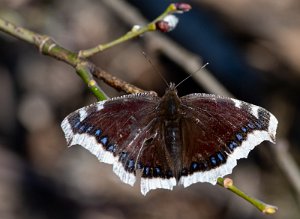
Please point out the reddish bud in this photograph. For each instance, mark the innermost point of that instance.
(183, 7)
(167, 24)
(163, 26)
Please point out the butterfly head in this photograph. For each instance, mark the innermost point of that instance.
(171, 92)
(172, 88)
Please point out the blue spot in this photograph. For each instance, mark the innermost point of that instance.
(77, 125)
(89, 129)
(156, 171)
(244, 129)
(111, 148)
(98, 132)
(258, 125)
(146, 171)
(213, 160)
(250, 125)
(130, 165)
(139, 165)
(232, 145)
(239, 137)
(104, 140)
(123, 156)
(220, 157)
(82, 128)
(194, 166)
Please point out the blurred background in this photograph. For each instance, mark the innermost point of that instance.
(253, 50)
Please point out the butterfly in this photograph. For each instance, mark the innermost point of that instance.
(170, 139)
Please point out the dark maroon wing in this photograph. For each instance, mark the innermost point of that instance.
(124, 132)
(217, 131)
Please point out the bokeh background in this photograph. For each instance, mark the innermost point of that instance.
(254, 52)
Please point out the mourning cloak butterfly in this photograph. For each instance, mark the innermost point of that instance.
(171, 140)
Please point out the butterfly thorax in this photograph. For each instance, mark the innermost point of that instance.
(169, 106)
(169, 113)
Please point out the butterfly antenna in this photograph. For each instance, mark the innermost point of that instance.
(202, 67)
(155, 69)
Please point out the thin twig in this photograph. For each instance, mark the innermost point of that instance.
(227, 183)
(184, 58)
(134, 32)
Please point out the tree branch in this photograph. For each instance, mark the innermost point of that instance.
(84, 68)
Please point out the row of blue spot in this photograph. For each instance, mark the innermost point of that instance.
(129, 164)
(217, 159)
(84, 128)
(149, 172)
(214, 160)
(239, 137)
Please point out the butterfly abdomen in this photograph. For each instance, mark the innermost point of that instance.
(173, 142)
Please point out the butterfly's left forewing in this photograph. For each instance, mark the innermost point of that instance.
(113, 130)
